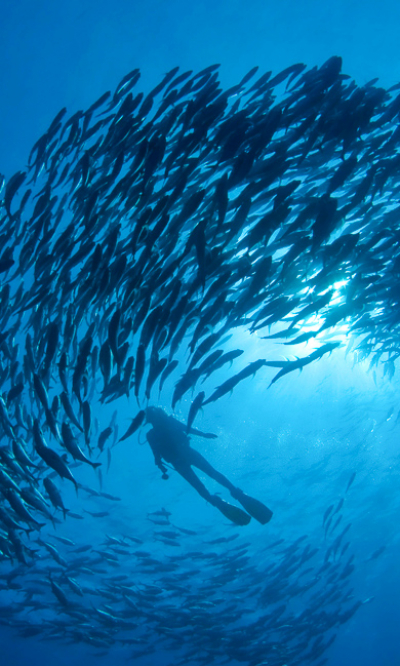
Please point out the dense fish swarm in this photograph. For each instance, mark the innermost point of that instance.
(281, 604)
(143, 231)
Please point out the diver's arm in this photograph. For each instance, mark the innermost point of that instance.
(182, 427)
(156, 453)
(199, 433)
(158, 461)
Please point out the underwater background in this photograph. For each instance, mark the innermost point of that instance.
(326, 434)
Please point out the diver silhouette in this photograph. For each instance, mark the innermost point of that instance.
(169, 442)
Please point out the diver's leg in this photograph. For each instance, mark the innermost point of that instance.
(234, 514)
(253, 506)
(197, 460)
(188, 474)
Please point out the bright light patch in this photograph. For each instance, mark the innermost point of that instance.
(339, 285)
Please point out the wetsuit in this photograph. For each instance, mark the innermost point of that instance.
(175, 449)
(169, 442)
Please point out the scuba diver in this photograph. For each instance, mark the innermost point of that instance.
(169, 442)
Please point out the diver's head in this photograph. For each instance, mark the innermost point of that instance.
(164, 423)
(156, 416)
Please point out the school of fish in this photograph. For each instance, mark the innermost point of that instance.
(142, 233)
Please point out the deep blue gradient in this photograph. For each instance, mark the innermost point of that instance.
(295, 445)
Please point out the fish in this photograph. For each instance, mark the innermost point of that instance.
(58, 593)
(351, 481)
(229, 385)
(104, 435)
(300, 363)
(12, 188)
(87, 420)
(194, 408)
(54, 495)
(139, 369)
(141, 235)
(51, 347)
(376, 553)
(327, 514)
(20, 509)
(73, 447)
(50, 456)
(69, 410)
(64, 540)
(135, 425)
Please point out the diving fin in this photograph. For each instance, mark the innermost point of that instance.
(254, 507)
(231, 512)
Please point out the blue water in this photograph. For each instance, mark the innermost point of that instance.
(295, 445)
